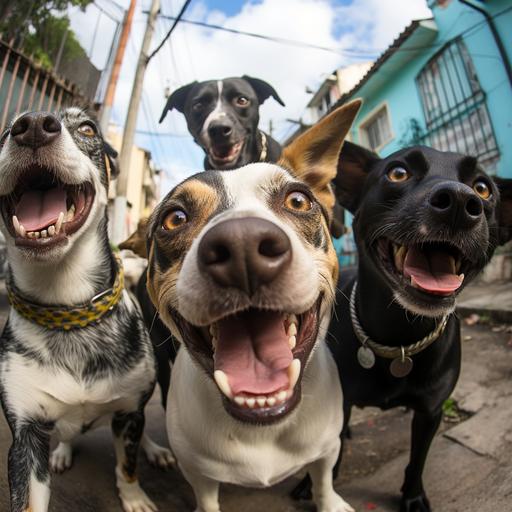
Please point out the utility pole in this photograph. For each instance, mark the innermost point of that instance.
(120, 203)
(116, 68)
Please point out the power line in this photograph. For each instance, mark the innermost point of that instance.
(365, 53)
(174, 25)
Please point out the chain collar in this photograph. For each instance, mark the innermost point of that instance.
(387, 351)
(263, 154)
(68, 317)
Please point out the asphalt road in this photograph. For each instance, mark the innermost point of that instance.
(469, 469)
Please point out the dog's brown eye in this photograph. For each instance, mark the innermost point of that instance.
(298, 201)
(87, 130)
(482, 189)
(242, 101)
(398, 174)
(174, 220)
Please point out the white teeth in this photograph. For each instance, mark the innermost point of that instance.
(222, 381)
(37, 234)
(59, 222)
(461, 277)
(251, 402)
(20, 230)
(281, 396)
(292, 341)
(240, 400)
(292, 319)
(271, 401)
(261, 401)
(400, 252)
(31, 234)
(70, 213)
(51, 230)
(44, 233)
(294, 372)
(292, 330)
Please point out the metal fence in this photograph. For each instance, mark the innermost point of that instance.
(455, 105)
(24, 85)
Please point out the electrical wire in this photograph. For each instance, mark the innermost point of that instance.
(174, 25)
(363, 53)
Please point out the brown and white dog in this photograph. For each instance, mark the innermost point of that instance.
(243, 272)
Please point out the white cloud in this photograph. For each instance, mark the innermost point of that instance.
(201, 54)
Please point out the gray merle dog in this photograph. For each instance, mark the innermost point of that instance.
(75, 352)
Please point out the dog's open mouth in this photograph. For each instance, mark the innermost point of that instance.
(433, 268)
(42, 211)
(257, 359)
(225, 154)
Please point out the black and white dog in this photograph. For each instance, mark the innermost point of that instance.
(223, 117)
(75, 352)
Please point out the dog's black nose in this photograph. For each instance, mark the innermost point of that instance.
(219, 131)
(244, 253)
(455, 204)
(36, 129)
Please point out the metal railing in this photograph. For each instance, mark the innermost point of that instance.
(455, 105)
(24, 85)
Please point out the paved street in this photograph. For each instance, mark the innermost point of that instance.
(470, 468)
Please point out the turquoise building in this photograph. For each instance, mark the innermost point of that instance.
(444, 82)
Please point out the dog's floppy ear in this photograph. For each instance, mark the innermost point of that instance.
(353, 167)
(263, 89)
(177, 100)
(504, 210)
(110, 161)
(313, 156)
(137, 241)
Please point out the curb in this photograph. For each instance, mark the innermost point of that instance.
(497, 315)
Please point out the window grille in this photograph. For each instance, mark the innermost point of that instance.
(455, 107)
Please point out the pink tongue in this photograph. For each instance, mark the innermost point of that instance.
(431, 271)
(253, 351)
(38, 209)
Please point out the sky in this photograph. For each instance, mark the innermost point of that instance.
(355, 30)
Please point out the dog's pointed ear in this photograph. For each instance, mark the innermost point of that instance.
(313, 156)
(504, 210)
(263, 89)
(353, 167)
(110, 161)
(177, 100)
(137, 240)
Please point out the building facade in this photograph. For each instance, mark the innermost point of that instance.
(444, 83)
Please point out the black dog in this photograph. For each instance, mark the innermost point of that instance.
(223, 117)
(426, 223)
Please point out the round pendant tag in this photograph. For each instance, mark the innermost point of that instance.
(401, 367)
(366, 357)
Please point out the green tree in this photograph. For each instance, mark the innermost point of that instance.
(40, 27)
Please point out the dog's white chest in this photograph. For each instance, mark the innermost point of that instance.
(74, 404)
(208, 441)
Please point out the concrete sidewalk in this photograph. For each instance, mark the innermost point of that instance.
(488, 299)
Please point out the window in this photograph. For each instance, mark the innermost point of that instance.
(376, 130)
(454, 105)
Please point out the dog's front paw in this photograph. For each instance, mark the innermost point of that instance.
(61, 458)
(417, 504)
(335, 503)
(157, 455)
(133, 498)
